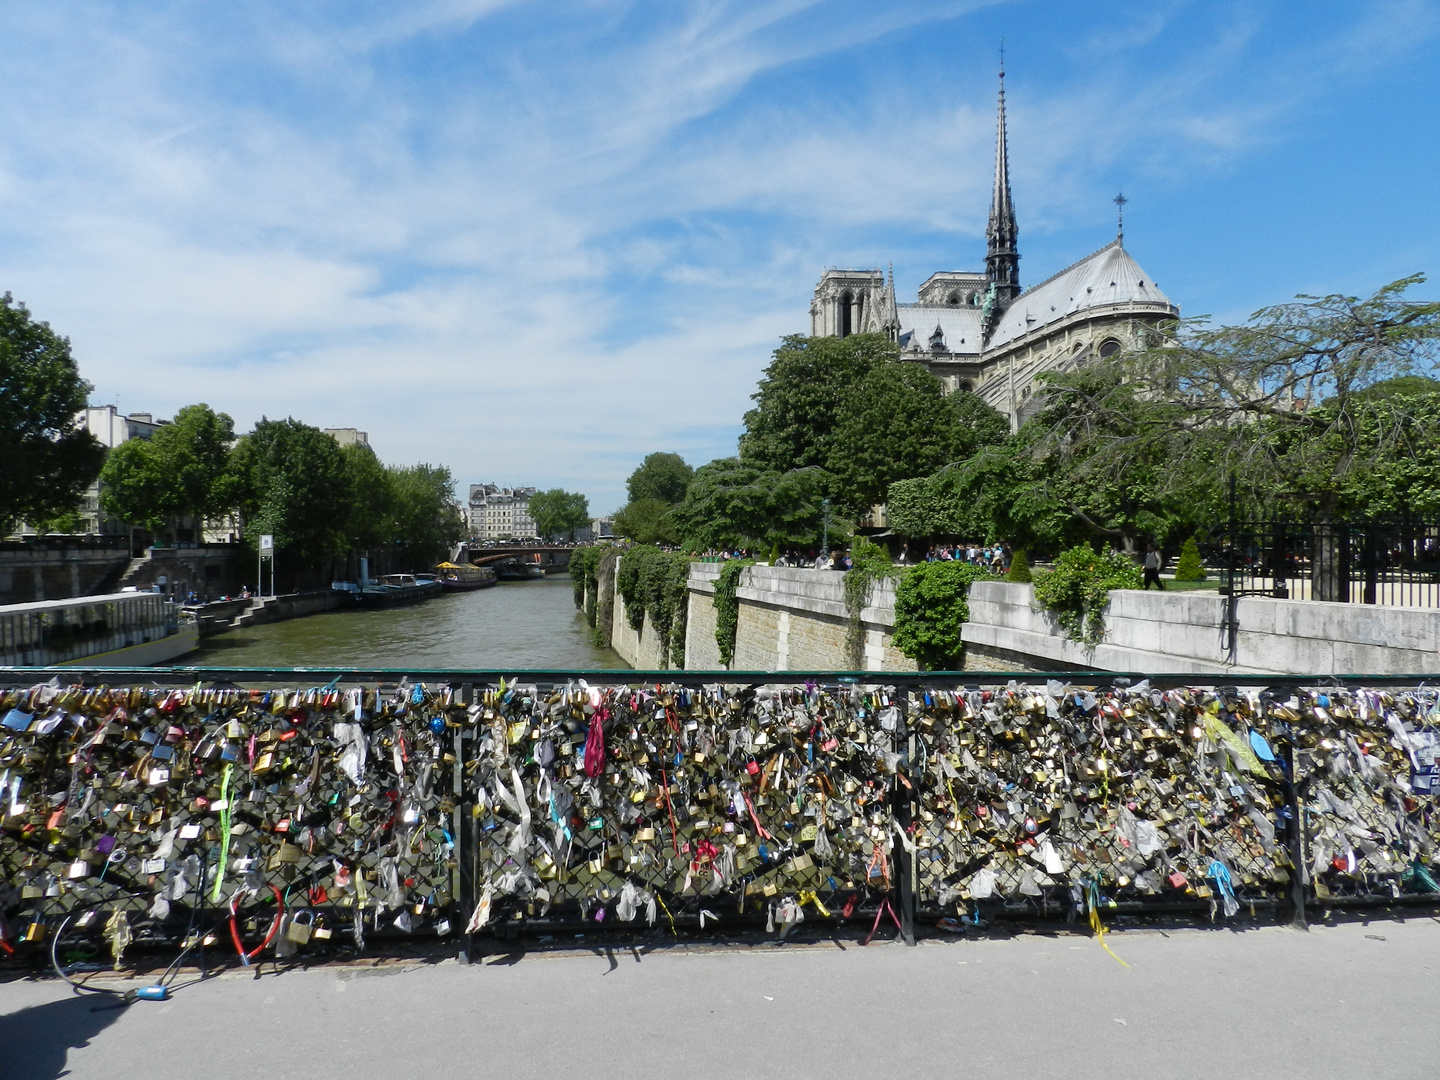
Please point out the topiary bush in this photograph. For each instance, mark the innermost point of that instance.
(1078, 589)
(1188, 568)
(1019, 568)
(931, 605)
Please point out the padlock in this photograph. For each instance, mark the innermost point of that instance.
(299, 932)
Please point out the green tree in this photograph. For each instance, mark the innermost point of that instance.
(370, 510)
(183, 470)
(1285, 402)
(1077, 590)
(561, 513)
(798, 401)
(48, 460)
(662, 477)
(291, 482)
(891, 424)
(732, 503)
(424, 520)
(1038, 491)
(646, 521)
(1019, 571)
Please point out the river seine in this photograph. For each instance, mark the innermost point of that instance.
(514, 625)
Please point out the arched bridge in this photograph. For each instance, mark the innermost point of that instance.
(552, 558)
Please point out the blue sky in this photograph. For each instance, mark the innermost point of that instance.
(536, 241)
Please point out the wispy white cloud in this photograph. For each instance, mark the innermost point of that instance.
(536, 242)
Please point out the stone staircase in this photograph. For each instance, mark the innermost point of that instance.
(255, 612)
(132, 573)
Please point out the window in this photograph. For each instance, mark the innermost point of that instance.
(1109, 347)
(847, 301)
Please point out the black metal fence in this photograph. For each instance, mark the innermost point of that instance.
(307, 810)
(1395, 563)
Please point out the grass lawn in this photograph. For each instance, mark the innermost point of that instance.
(1210, 583)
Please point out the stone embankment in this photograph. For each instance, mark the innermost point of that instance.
(791, 619)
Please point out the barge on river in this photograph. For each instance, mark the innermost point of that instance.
(454, 577)
(390, 590)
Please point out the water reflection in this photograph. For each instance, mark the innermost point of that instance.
(521, 624)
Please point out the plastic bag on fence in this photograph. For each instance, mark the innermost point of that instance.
(351, 741)
(982, 884)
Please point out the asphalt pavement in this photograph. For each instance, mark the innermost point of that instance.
(1354, 1001)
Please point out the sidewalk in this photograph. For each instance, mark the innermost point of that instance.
(1351, 1001)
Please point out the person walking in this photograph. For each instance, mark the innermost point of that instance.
(1153, 562)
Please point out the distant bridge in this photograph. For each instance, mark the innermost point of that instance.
(552, 558)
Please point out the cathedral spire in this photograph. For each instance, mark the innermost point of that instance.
(1002, 261)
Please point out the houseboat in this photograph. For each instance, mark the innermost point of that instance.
(455, 577)
(129, 629)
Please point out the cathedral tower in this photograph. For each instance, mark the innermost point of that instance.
(1002, 260)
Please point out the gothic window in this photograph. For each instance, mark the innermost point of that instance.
(954, 299)
(1109, 347)
(847, 325)
(966, 386)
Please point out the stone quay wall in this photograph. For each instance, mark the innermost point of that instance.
(1180, 632)
(793, 619)
(30, 573)
(789, 619)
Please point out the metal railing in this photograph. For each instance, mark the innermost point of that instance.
(390, 804)
(1394, 563)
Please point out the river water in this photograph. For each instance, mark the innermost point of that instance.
(514, 625)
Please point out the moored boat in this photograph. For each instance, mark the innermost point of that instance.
(457, 577)
(129, 629)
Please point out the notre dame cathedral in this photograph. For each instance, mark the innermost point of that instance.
(978, 331)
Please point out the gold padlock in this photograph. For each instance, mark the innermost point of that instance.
(299, 932)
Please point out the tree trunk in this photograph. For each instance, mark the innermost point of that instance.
(1330, 560)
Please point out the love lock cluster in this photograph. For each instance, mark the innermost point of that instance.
(297, 816)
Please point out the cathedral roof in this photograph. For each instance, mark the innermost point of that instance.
(1109, 276)
(960, 325)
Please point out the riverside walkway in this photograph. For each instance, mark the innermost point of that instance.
(1340, 1001)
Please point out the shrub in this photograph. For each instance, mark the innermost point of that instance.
(1078, 589)
(1189, 568)
(1019, 568)
(931, 604)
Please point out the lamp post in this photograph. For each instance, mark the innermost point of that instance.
(825, 528)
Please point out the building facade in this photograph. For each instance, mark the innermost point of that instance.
(496, 513)
(980, 331)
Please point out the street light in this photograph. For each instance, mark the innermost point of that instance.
(825, 527)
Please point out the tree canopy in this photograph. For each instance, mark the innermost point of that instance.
(798, 401)
(560, 513)
(646, 521)
(732, 503)
(291, 483)
(183, 469)
(1296, 402)
(663, 477)
(1320, 409)
(48, 458)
